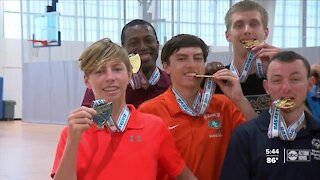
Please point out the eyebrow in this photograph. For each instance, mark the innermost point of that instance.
(292, 74)
(183, 54)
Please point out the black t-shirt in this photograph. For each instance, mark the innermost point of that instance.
(253, 90)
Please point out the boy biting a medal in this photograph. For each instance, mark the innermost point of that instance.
(201, 122)
(284, 141)
(247, 29)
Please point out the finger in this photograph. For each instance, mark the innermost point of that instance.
(82, 112)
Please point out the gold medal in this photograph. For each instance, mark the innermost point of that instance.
(285, 103)
(248, 44)
(135, 62)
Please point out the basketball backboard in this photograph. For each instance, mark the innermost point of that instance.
(46, 31)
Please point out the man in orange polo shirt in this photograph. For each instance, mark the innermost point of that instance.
(200, 122)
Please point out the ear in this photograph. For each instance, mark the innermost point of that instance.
(228, 36)
(86, 81)
(166, 67)
(266, 33)
(265, 86)
(129, 77)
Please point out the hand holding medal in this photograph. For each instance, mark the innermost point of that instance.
(103, 113)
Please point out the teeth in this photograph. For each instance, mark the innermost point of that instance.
(110, 89)
(191, 74)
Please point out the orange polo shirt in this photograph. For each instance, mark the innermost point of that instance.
(202, 141)
(134, 154)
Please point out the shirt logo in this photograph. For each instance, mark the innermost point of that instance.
(137, 138)
(174, 126)
(214, 124)
(316, 143)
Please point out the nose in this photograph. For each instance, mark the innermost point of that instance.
(286, 86)
(109, 76)
(142, 45)
(191, 62)
(247, 29)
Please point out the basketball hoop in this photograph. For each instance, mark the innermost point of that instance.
(42, 42)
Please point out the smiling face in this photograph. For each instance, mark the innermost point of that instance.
(182, 66)
(141, 39)
(245, 25)
(107, 70)
(109, 81)
(288, 80)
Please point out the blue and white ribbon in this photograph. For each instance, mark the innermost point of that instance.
(201, 103)
(139, 80)
(247, 66)
(278, 127)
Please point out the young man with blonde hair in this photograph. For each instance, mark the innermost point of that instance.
(123, 144)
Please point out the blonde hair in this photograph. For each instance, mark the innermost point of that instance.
(99, 53)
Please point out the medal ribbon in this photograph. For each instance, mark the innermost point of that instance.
(247, 65)
(278, 127)
(139, 80)
(122, 121)
(201, 103)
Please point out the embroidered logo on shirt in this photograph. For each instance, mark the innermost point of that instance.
(214, 123)
(212, 116)
(137, 138)
(316, 143)
(214, 126)
(174, 126)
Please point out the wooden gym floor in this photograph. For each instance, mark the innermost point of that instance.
(27, 150)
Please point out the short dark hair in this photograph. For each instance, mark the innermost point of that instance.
(133, 23)
(181, 41)
(291, 56)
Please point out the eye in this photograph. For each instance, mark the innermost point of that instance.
(295, 79)
(132, 43)
(181, 58)
(198, 58)
(238, 25)
(149, 40)
(276, 81)
(254, 24)
(118, 68)
(99, 71)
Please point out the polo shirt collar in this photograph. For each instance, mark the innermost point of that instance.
(164, 80)
(170, 99)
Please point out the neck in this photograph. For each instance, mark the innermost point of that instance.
(188, 95)
(239, 61)
(116, 110)
(293, 116)
(148, 72)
